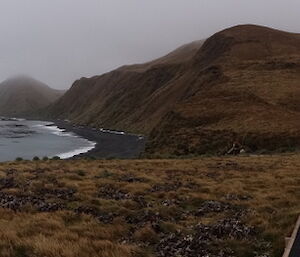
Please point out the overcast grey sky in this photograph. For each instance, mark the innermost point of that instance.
(59, 41)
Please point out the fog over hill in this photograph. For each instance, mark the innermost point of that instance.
(59, 41)
(22, 94)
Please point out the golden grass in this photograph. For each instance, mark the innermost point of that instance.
(269, 183)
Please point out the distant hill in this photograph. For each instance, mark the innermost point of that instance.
(241, 85)
(21, 95)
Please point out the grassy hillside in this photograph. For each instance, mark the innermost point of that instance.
(241, 85)
(245, 90)
(121, 99)
(22, 94)
(241, 207)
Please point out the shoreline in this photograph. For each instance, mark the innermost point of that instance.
(108, 144)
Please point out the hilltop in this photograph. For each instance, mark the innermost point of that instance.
(241, 84)
(22, 94)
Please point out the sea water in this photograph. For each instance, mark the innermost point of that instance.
(27, 139)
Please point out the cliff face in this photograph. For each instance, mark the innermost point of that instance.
(22, 94)
(241, 84)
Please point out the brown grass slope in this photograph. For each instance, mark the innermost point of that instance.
(119, 99)
(22, 94)
(242, 84)
(229, 206)
(251, 95)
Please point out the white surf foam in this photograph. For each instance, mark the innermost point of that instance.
(112, 131)
(61, 132)
(77, 151)
(56, 130)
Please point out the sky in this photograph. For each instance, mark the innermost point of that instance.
(60, 41)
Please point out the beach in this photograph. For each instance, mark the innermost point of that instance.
(109, 144)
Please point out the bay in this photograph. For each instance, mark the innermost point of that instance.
(27, 139)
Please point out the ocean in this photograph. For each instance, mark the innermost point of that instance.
(27, 139)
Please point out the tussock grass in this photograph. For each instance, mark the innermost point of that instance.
(161, 198)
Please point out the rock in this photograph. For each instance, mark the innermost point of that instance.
(131, 179)
(170, 202)
(110, 192)
(140, 199)
(61, 193)
(10, 172)
(7, 183)
(203, 241)
(16, 203)
(215, 206)
(166, 187)
(50, 207)
(231, 228)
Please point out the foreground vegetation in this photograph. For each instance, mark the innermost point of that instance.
(230, 206)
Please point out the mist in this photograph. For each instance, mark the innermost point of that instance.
(59, 41)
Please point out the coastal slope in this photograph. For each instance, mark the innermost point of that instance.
(121, 99)
(22, 94)
(241, 85)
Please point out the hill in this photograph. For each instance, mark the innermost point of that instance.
(20, 95)
(241, 85)
(116, 99)
(182, 54)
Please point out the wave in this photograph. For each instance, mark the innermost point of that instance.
(112, 131)
(62, 132)
(78, 151)
(56, 130)
(10, 119)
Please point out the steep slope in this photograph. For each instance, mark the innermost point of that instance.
(253, 96)
(118, 99)
(22, 94)
(241, 85)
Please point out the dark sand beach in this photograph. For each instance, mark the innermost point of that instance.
(108, 144)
